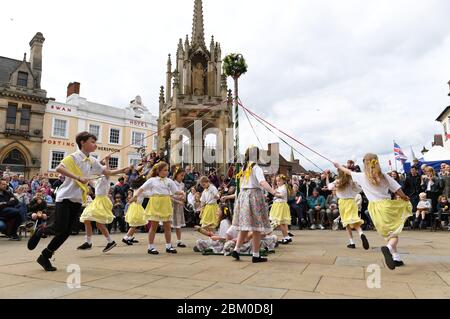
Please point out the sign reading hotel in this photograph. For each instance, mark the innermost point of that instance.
(138, 123)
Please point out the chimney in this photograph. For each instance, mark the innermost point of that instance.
(73, 88)
(438, 140)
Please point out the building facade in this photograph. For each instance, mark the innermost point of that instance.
(121, 130)
(196, 89)
(22, 108)
(444, 119)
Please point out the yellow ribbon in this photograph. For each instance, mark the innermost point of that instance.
(70, 164)
(246, 174)
(373, 163)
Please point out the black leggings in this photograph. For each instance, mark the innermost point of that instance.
(67, 214)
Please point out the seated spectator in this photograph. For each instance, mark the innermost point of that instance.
(10, 209)
(299, 206)
(44, 194)
(316, 212)
(443, 210)
(14, 183)
(22, 194)
(432, 186)
(423, 208)
(37, 208)
(332, 208)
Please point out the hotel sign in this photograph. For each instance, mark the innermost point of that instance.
(138, 123)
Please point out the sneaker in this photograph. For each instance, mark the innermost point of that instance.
(109, 246)
(235, 255)
(259, 260)
(85, 246)
(291, 234)
(388, 258)
(196, 249)
(321, 227)
(127, 241)
(351, 246)
(285, 241)
(171, 250)
(45, 263)
(181, 245)
(365, 242)
(134, 241)
(398, 263)
(14, 237)
(34, 240)
(313, 226)
(153, 251)
(29, 224)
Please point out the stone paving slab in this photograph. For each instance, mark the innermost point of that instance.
(316, 265)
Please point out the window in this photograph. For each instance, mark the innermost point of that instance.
(155, 142)
(22, 79)
(94, 130)
(11, 116)
(57, 157)
(114, 136)
(134, 162)
(59, 128)
(113, 162)
(25, 117)
(138, 139)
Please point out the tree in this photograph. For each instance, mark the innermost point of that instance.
(234, 65)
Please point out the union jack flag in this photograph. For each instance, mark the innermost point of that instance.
(399, 155)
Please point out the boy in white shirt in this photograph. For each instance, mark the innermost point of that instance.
(78, 167)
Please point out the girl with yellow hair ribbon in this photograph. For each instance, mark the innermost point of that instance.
(388, 215)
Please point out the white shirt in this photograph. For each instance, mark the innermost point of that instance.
(102, 186)
(224, 226)
(375, 193)
(349, 192)
(159, 186)
(424, 204)
(191, 199)
(69, 189)
(283, 191)
(209, 195)
(256, 177)
(232, 232)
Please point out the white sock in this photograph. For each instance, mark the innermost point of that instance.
(351, 241)
(237, 249)
(396, 256)
(88, 239)
(126, 237)
(287, 237)
(256, 255)
(360, 232)
(169, 245)
(390, 248)
(179, 241)
(151, 246)
(109, 240)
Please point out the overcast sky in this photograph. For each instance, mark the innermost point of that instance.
(345, 77)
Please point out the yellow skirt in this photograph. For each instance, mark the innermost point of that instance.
(280, 214)
(209, 216)
(159, 209)
(100, 211)
(135, 216)
(348, 209)
(389, 216)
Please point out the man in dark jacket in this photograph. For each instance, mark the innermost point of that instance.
(412, 187)
(307, 186)
(10, 209)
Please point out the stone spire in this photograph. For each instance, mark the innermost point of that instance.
(292, 155)
(198, 32)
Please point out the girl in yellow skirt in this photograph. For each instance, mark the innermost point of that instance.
(209, 216)
(100, 211)
(159, 208)
(280, 214)
(135, 217)
(346, 191)
(387, 215)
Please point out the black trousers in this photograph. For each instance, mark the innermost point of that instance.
(67, 214)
